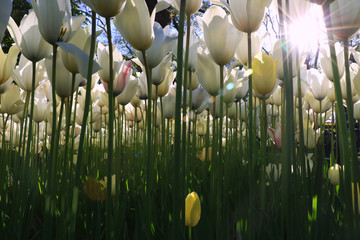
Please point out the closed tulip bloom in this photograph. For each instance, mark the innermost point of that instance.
(11, 102)
(230, 87)
(345, 17)
(41, 107)
(242, 49)
(168, 104)
(343, 87)
(142, 86)
(103, 56)
(356, 82)
(278, 54)
(200, 129)
(247, 15)
(7, 63)
(277, 96)
(163, 88)
(319, 85)
(216, 113)
(191, 6)
(162, 71)
(192, 209)
(105, 8)
(215, 23)
(315, 104)
(122, 77)
(334, 174)
(28, 38)
(63, 78)
(311, 137)
(136, 25)
(208, 73)
(129, 92)
(273, 171)
(81, 39)
(264, 74)
(243, 84)
(199, 98)
(5, 86)
(275, 135)
(325, 61)
(56, 23)
(331, 95)
(304, 84)
(163, 43)
(194, 81)
(22, 75)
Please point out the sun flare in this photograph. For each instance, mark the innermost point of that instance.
(308, 32)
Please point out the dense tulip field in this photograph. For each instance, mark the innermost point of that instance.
(240, 122)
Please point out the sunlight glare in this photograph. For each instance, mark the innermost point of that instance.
(308, 32)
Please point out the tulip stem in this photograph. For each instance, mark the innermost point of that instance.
(51, 191)
(179, 202)
(76, 187)
(219, 165)
(251, 164)
(109, 232)
(350, 108)
(149, 160)
(186, 120)
(343, 134)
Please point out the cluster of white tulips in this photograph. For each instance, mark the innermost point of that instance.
(262, 142)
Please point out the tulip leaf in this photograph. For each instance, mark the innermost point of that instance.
(82, 59)
(5, 11)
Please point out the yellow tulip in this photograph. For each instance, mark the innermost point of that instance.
(264, 72)
(192, 209)
(94, 189)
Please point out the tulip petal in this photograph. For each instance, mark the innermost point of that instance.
(82, 59)
(14, 31)
(161, 5)
(10, 62)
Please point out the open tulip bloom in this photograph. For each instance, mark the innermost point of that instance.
(219, 119)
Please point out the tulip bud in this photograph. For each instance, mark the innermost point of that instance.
(192, 209)
(334, 174)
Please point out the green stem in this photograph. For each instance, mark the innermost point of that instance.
(149, 160)
(109, 232)
(343, 134)
(179, 202)
(350, 108)
(251, 163)
(219, 165)
(49, 198)
(75, 196)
